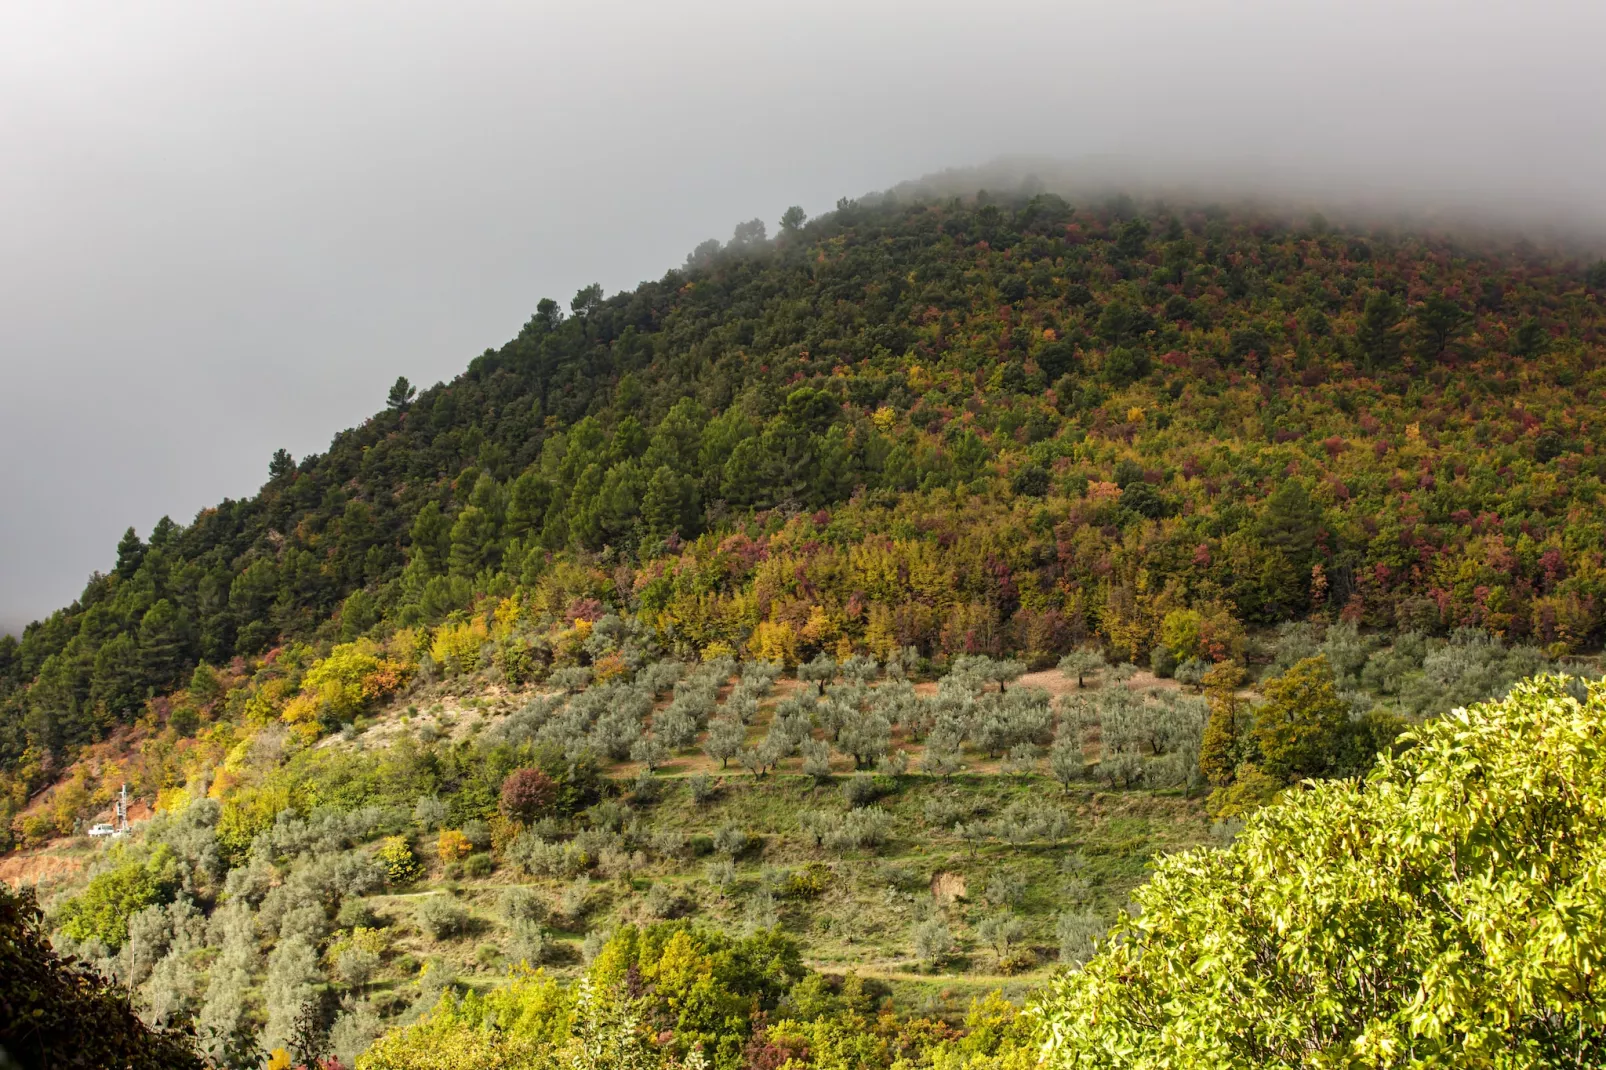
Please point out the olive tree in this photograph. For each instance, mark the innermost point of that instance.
(1078, 932)
(1079, 665)
(934, 942)
(724, 741)
(820, 671)
(1066, 762)
(865, 738)
(942, 756)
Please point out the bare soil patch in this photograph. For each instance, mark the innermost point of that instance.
(43, 867)
(947, 887)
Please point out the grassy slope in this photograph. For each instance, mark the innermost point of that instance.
(865, 918)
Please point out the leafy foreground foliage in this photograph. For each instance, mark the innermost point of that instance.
(532, 1024)
(113, 897)
(57, 1013)
(672, 996)
(1447, 910)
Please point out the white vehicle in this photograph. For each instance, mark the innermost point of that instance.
(102, 829)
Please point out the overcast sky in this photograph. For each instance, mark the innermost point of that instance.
(227, 227)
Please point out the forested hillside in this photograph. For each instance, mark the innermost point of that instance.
(969, 426)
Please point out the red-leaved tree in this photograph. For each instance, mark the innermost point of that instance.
(526, 794)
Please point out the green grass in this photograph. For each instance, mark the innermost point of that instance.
(864, 918)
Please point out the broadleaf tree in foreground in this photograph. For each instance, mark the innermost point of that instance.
(1449, 909)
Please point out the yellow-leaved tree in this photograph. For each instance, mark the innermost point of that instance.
(531, 1023)
(343, 685)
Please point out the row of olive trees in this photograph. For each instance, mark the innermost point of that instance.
(1409, 672)
(851, 711)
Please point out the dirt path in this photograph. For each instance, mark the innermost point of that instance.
(1054, 683)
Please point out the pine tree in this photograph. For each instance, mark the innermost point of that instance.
(130, 553)
(1378, 334)
(431, 539)
(401, 394)
(528, 501)
(670, 504)
(164, 644)
(474, 543)
(281, 465)
(118, 682)
(1439, 322)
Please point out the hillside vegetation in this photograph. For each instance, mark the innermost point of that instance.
(795, 657)
(1443, 910)
(966, 426)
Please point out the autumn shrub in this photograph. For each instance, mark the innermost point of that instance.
(343, 685)
(527, 794)
(452, 845)
(456, 647)
(1299, 725)
(400, 864)
(56, 1012)
(531, 1022)
(810, 882)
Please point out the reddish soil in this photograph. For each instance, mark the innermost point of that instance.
(42, 867)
